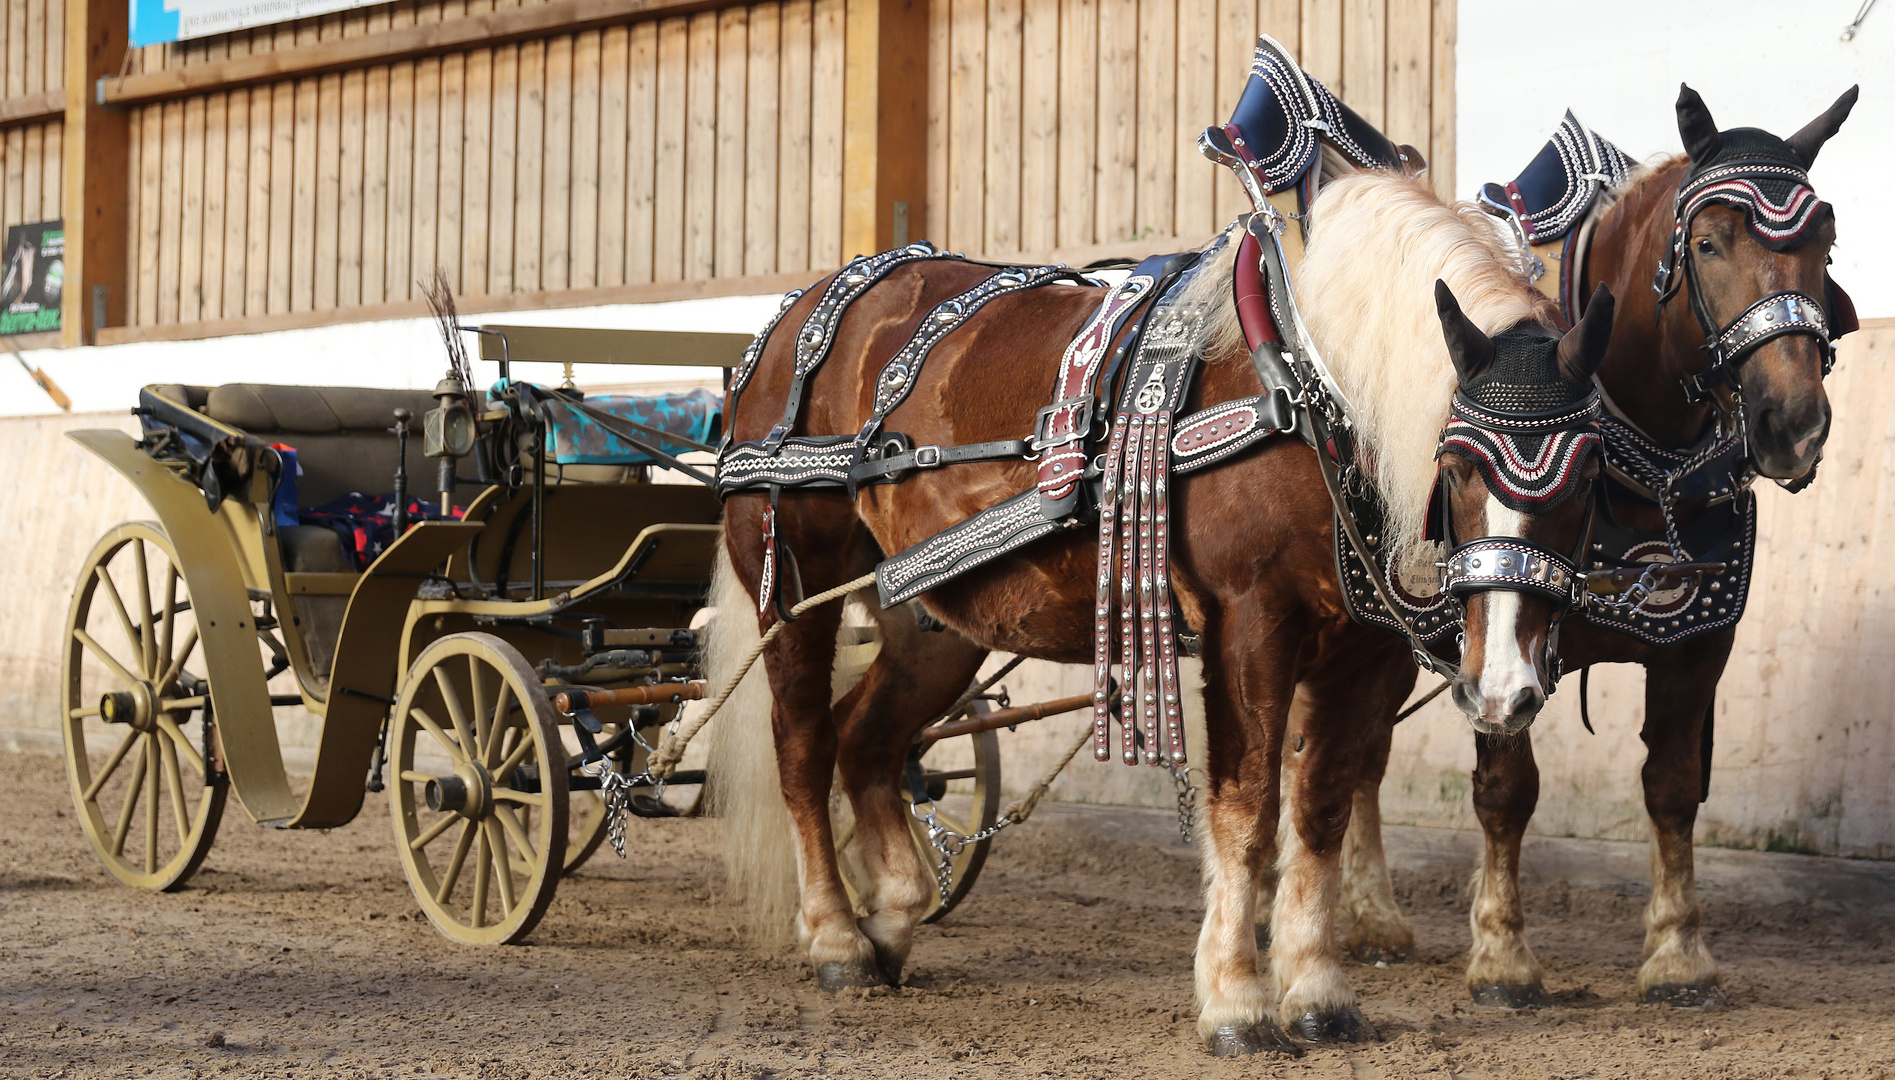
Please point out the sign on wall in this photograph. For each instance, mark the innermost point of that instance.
(33, 279)
(155, 22)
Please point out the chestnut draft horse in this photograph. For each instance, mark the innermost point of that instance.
(1755, 242)
(1254, 569)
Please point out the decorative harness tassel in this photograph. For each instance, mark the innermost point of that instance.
(1135, 547)
(1109, 498)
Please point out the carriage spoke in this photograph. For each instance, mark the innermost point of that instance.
(516, 832)
(453, 748)
(151, 804)
(168, 628)
(174, 783)
(176, 666)
(502, 864)
(432, 832)
(182, 704)
(502, 717)
(505, 768)
(483, 723)
(176, 733)
(454, 863)
(454, 712)
(413, 777)
(132, 791)
(148, 650)
(483, 870)
(524, 798)
(107, 658)
(83, 714)
(111, 764)
(118, 605)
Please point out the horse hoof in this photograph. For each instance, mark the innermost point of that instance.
(1686, 995)
(1262, 1037)
(1380, 954)
(1499, 996)
(1341, 1026)
(847, 975)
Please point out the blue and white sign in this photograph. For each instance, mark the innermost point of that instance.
(155, 22)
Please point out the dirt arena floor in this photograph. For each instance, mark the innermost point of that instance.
(303, 955)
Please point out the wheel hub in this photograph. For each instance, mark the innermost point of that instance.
(137, 707)
(467, 791)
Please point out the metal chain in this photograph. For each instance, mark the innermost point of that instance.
(618, 787)
(949, 844)
(1187, 802)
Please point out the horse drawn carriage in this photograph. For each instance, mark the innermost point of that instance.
(494, 662)
(427, 637)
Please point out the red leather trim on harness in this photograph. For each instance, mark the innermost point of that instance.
(1520, 210)
(1212, 428)
(1063, 460)
(1253, 303)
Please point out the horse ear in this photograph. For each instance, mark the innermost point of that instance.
(1817, 132)
(1583, 348)
(1470, 350)
(1695, 125)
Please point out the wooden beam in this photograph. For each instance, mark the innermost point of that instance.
(97, 167)
(482, 30)
(32, 108)
(649, 293)
(885, 124)
(646, 293)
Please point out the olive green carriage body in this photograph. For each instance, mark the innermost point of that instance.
(423, 654)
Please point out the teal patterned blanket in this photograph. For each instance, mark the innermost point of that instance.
(574, 438)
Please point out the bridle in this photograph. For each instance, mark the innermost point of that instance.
(1530, 462)
(1780, 224)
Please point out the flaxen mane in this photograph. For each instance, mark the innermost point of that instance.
(1366, 287)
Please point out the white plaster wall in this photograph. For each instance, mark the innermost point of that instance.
(1758, 63)
(397, 354)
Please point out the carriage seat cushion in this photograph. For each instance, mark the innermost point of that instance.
(311, 410)
(576, 438)
(313, 549)
(340, 433)
(1561, 183)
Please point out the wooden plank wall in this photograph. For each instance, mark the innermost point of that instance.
(701, 146)
(32, 61)
(698, 146)
(1061, 125)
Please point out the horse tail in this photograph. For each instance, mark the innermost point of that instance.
(755, 834)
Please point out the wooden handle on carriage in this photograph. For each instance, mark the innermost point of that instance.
(568, 701)
(1039, 710)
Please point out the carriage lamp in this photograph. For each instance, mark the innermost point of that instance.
(448, 433)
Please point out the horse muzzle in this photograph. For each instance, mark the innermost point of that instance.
(1507, 711)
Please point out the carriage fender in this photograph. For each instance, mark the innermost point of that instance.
(240, 698)
(368, 667)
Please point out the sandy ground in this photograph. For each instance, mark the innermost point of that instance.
(303, 955)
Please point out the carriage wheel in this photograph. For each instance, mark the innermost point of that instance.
(479, 802)
(945, 761)
(138, 730)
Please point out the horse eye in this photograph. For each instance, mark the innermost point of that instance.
(1705, 247)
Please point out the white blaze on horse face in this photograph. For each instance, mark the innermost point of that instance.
(1505, 668)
